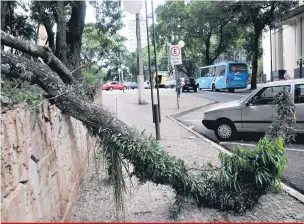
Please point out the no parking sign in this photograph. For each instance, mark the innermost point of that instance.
(176, 55)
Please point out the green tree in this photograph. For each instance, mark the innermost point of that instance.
(206, 27)
(258, 15)
(15, 23)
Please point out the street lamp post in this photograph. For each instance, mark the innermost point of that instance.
(300, 63)
(134, 7)
(155, 59)
(155, 108)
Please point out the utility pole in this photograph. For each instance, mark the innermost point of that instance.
(154, 106)
(155, 59)
(140, 77)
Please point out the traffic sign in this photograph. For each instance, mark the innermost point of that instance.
(176, 55)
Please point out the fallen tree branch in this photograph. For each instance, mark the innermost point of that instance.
(242, 179)
(39, 51)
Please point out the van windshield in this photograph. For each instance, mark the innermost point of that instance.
(237, 68)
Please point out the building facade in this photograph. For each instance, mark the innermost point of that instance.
(283, 46)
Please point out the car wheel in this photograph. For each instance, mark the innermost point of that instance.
(111, 88)
(231, 90)
(225, 130)
(124, 88)
(195, 90)
(213, 87)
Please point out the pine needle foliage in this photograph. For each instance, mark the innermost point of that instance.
(283, 118)
(241, 180)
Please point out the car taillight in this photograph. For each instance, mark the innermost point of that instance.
(227, 80)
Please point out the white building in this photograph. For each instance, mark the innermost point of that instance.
(285, 42)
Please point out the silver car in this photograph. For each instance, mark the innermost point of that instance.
(254, 112)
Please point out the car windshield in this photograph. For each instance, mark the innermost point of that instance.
(249, 96)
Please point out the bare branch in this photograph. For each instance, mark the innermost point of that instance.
(38, 51)
(81, 66)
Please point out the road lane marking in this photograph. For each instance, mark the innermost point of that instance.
(253, 145)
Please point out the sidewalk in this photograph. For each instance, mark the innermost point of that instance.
(148, 203)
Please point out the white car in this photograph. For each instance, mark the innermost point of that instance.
(147, 85)
(254, 112)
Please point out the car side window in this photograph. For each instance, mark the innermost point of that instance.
(113, 83)
(299, 93)
(266, 95)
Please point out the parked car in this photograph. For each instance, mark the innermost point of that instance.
(170, 84)
(147, 85)
(253, 113)
(113, 85)
(189, 84)
(133, 85)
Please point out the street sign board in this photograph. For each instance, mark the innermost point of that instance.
(176, 55)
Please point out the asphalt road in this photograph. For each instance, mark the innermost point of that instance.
(293, 174)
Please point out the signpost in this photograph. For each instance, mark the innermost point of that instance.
(176, 55)
(176, 59)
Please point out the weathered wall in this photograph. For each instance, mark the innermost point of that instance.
(44, 154)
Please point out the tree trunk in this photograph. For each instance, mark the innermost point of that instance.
(38, 51)
(254, 63)
(3, 14)
(74, 35)
(61, 46)
(207, 51)
(50, 33)
(11, 12)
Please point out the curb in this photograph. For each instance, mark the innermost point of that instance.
(292, 192)
(180, 113)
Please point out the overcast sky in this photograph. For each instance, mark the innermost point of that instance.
(90, 14)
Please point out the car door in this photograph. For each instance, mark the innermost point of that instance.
(114, 84)
(258, 111)
(299, 102)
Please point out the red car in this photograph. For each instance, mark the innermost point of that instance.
(114, 85)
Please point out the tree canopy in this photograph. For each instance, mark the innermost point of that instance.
(210, 28)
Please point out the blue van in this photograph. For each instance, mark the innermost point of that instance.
(224, 75)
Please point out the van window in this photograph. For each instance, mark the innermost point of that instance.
(237, 68)
(220, 70)
(266, 95)
(299, 93)
(212, 71)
